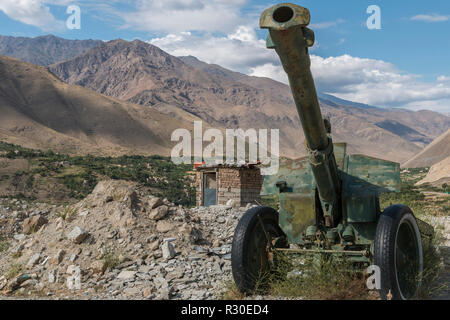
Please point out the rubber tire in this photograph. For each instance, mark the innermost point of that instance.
(240, 255)
(384, 250)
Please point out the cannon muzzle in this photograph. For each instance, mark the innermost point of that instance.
(290, 37)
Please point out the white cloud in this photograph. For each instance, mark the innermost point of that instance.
(378, 83)
(370, 81)
(430, 18)
(443, 78)
(241, 50)
(33, 12)
(174, 16)
(270, 70)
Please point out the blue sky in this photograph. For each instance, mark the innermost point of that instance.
(405, 64)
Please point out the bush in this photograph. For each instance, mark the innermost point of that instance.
(166, 179)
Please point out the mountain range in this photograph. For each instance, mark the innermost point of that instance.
(138, 75)
(40, 111)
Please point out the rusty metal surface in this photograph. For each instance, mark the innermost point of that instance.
(301, 17)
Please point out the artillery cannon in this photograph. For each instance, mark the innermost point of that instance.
(329, 201)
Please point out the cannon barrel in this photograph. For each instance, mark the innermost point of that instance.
(290, 37)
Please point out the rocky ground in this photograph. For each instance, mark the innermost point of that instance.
(118, 243)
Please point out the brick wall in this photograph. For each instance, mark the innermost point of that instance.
(251, 183)
(241, 184)
(198, 189)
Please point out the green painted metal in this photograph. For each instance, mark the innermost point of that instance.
(297, 212)
(291, 39)
(363, 179)
(328, 201)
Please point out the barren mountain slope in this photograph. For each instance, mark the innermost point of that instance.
(144, 74)
(435, 152)
(44, 50)
(439, 174)
(420, 127)
(40, 111)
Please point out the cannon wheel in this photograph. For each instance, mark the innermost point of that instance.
(250, 260)
(398, 253)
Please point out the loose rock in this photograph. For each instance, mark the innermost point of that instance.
(159, 213)
(33, 224)
(78, 235)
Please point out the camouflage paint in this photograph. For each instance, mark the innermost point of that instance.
(329, 189)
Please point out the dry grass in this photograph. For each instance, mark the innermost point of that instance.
(67, 213)
(231, 292)
(308, 279)
(324, 278)
(433, 267)
(4, 245)
(110, 258)
(14, 270)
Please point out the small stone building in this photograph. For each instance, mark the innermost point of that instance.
(217, 184)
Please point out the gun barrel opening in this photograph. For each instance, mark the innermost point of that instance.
(283, 14)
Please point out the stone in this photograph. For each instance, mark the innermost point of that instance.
(233, 203)
(72, 269)
(154, 203)
(34, 260)
(154, 245)
(33, 224)
(168, 250)
(59, 256)
(147, 293)
(164, 226)
(3, 282)
(122, 258)
(131, 291)
(19, 237)
(73, 282)
(144, 269)
(159, 213)
(51, 277)
(78, 235)
(126, 275)
(98, 266)
(30, 283)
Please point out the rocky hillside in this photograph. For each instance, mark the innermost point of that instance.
(435, 152)
(226, 99)
(40, 111)
(439, 174)
(418, 127)
(121, 243)
(44, 50)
